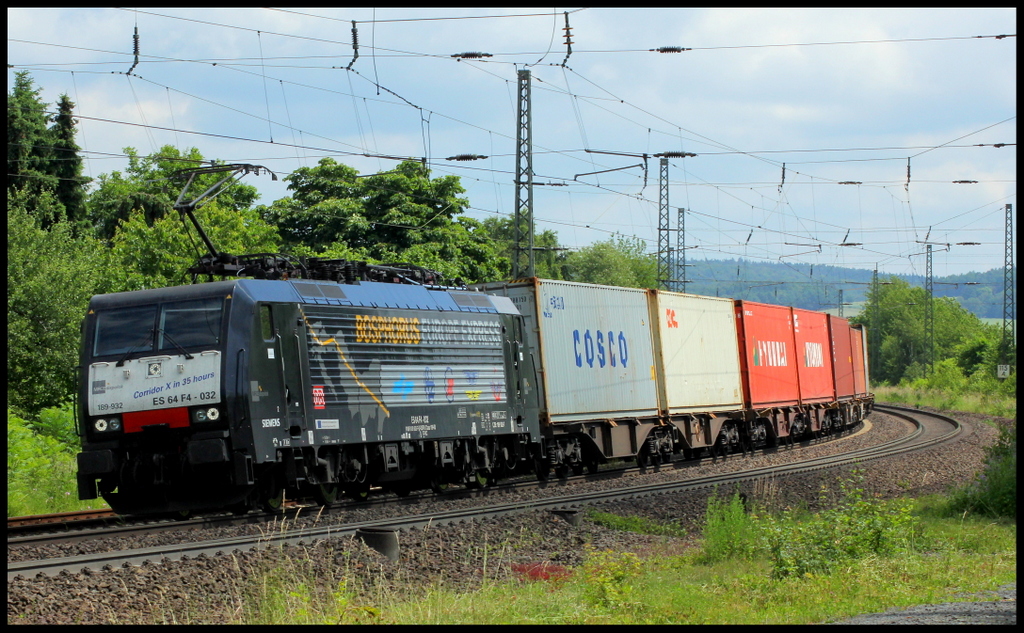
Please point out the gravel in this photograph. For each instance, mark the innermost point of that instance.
(214, 589)
(1003, 610)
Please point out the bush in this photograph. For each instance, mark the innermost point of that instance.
(58, 423)
(40, 472)
(729, 532)
(994, 490)
(608, 576)
(857, 528)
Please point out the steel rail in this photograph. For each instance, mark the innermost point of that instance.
(59, 518)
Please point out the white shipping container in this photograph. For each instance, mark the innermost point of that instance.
(595, 344)
(697, 353)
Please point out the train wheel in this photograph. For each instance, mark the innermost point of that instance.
(577, 468)
(644, 459)
(479, 479)
(542, 469)
(438, 484)
(592, 466)
(270, 492)
(274, 500)
(325, 494)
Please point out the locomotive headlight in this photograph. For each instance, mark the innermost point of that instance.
(114, 424)
(100, 425)
(210, 414)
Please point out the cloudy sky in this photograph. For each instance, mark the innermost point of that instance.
(803, 121)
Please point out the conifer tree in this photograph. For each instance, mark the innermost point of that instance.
(66, 164)
(28, 140)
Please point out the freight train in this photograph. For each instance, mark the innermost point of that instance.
(234, 394)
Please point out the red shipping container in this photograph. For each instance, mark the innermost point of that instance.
(813, 356)
(860, 378)
(842, 357)
(768, 358)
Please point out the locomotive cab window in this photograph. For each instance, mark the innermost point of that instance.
(266, 323)
(190, 324)
(123, 330)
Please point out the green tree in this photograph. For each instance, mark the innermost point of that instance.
(66, 164)
(401, 215)
(159, 254)
(619, 261)
(42, 158)
(323, 209)
(152, 184)
(29, 144)
(898, 310)
(51, 274)
(549, 256)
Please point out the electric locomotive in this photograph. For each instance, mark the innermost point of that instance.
(225, 394)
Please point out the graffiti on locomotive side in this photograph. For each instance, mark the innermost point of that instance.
(441, 332)
(590, 348)
(409, 385)
(373, 328)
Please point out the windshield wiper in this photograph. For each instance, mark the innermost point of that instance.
(180, 348)
(132, 348)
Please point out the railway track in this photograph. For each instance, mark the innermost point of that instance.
(930, 429)
(70, 527)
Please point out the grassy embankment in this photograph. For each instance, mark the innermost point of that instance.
(995, 404)
(764, 565)
(751, 567)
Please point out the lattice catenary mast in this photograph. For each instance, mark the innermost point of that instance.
(1009, 321)
(522, 255)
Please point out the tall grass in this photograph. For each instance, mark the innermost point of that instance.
(994, 490)
(799, 544)
(729, 532)
(994, 402)
(41, 470)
